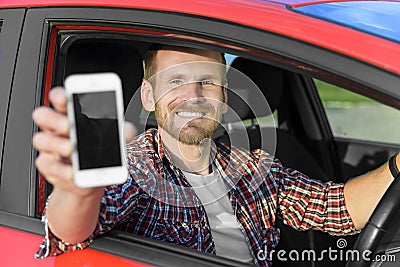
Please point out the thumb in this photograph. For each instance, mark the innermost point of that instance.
(129, 131)
(58, 99)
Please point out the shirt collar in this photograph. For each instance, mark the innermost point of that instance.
(160, 145)
(230, 162)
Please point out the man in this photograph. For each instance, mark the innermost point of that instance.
(185, 189)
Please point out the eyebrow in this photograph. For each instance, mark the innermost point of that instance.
(175, 76)
(202, 77)
(208, 77)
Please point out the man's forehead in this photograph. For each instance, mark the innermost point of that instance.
(190, 51)
(191, 69)
(169, 57)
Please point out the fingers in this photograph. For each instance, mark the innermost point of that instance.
(53, 120)
(50, 120)
(49, 143)
(53, 142)
(59, 173)
(54, 169)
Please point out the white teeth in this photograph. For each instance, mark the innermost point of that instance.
(190, 114)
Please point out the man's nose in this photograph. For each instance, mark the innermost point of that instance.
(193, 90)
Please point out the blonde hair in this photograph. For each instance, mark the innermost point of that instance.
(150, 64)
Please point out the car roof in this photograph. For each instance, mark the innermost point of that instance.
(276, 16)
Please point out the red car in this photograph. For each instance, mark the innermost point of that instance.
(340, 68)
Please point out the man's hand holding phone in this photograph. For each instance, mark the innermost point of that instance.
(95, 113)
(53, 143)
(72, 211)
(57, 146)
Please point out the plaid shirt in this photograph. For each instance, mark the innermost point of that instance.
(158, 202)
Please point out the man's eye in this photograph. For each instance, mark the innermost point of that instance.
(207, 82)
(176, 82)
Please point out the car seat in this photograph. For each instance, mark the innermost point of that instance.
(264, 81)
(122, 58)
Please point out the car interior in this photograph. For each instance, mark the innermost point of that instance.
(291, 144)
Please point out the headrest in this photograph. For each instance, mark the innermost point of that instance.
(250, 85)
(123, 59)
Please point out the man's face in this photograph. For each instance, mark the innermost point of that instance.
(189, 94)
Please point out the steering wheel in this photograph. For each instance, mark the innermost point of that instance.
(377, 225)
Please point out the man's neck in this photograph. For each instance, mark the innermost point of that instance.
(190, 158)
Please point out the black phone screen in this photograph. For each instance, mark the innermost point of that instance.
(96, 126)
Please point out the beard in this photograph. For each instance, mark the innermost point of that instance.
(194, 131)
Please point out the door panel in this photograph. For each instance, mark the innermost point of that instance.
(358, 157)
(10, 32)
(11, 24)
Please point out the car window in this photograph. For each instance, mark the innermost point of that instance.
(346, 112)
(118, 52)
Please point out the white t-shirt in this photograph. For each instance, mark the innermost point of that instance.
(229, 240)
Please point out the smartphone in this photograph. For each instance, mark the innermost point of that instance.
(95, 113)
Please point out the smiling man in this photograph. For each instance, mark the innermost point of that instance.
(187, 90)
(185, 189)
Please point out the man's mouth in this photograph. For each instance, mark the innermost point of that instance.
(187, 114)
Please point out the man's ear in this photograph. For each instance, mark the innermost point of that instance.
(225, 94)
(147, 96)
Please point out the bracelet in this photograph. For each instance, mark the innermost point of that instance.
(393, 166)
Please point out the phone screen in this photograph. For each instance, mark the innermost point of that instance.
(96, 126)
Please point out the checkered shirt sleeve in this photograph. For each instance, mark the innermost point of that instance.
(306, 203)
